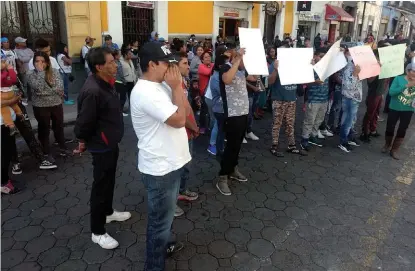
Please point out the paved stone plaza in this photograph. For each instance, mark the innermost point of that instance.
(328, 211)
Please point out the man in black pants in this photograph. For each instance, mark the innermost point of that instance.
(232, 82)
(99, 127)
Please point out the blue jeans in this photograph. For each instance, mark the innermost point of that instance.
(162, 192)
(335, 111)
(186, 171)
(65, 79)
(220, 139)
(213, 125)
(349, 113)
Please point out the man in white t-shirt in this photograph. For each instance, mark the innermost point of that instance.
(159, 115)
(44, 46)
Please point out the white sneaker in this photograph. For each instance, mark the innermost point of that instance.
(319, 135)
(118, 216)
(124, 115)
(252, 136)
(105, 241)
(178, 211)
(244, 141)
(326, 133)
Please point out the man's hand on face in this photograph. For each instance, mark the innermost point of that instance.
(173, 77)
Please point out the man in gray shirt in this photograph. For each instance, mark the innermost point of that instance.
(24, 55)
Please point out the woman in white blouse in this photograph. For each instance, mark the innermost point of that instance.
(128, 70)
(65, 69)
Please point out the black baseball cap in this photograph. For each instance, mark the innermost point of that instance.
(156, 51)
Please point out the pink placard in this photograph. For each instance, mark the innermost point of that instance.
(364, 57)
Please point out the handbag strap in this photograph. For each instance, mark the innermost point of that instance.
(61, 69)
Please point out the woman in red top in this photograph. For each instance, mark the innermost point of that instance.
(204, 72)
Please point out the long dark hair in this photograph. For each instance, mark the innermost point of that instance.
(48, 69)
(61, 50)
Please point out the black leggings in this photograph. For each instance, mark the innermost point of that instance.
(404, 118)
(7, 142)
(125, 91)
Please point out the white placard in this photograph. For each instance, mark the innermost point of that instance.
(333, 61)
(255, 60)
(294, 65)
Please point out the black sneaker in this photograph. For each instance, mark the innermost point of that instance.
(374, 134)
(65, 152)
(67, 141)
(16, 169)
(365, 138)
(305, 147)
(354, 142)
(174, 247)
(314, 140)
(345, 147)
(46, 164)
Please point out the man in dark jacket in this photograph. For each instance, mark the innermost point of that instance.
(99, 127)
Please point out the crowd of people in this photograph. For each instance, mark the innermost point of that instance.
(176, 92)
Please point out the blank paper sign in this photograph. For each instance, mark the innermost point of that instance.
(255, 60)
(295, 65)
(332, 62)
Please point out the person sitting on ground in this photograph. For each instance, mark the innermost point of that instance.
(8, 79)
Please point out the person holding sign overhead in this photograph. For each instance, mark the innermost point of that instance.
(401, 108)
(283, 104)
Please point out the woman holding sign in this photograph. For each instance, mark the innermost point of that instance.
(401, 108)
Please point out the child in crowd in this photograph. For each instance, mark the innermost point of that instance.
(8, 80)
(194, 97)
(316, 106)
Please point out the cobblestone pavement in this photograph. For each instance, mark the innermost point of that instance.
(328, 211)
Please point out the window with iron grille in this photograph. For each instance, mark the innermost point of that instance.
(31, 20)
(137, 23)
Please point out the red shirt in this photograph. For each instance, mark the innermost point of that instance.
(204, 75)
(8, 78)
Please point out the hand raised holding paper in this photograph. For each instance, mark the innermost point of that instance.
(276, 64)
(364, 57)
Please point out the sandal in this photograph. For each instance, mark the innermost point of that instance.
(296, 151)
(276, 153)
